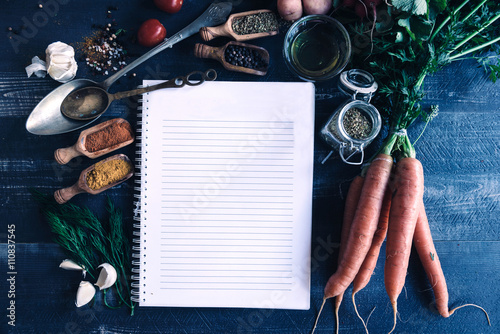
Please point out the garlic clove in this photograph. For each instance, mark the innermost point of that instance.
(107, 276)
(38, 67)
(71, 265)
(85, 293)
(61, 63)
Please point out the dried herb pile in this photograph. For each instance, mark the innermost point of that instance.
(255, 23)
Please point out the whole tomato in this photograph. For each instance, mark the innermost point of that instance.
(151, 33)
(169, 6)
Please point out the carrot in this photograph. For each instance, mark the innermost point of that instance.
(430, 261)
(408, 188)
(368, 266)
(351, 202)
(363, 225)
(426, 250)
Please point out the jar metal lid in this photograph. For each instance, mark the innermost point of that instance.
(358, 83)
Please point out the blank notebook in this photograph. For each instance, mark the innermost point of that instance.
(226, 171)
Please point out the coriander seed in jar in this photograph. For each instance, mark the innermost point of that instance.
(356, 122)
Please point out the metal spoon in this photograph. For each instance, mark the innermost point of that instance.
(91, 102)
(47, 119)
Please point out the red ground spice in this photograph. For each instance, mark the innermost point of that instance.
(109, 136)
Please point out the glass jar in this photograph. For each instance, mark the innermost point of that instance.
(360, 86)
(316, 48)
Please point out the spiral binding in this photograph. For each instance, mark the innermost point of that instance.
(136, 240)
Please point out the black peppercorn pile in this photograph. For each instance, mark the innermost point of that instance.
(241, 56)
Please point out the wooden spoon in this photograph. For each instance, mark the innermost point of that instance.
(64, 155)
(217, 53)
(226, 29)
(81, 186)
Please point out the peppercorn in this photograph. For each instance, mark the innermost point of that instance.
(246, 57)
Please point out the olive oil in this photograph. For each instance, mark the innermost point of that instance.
(315, 51)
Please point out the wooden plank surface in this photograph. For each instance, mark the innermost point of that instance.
(45, 301)
(460, 152)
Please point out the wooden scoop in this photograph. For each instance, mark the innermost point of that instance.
(217, 53)
(226, 29)
(64, 155)
(81, 186)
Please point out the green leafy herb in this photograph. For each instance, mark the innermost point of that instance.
(415, 7)
(423, 41)
(89, 241)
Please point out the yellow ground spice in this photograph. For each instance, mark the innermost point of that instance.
(107, 172)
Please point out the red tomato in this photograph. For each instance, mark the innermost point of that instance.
(151, 33)
(169, 6)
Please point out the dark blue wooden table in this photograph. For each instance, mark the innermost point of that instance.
(460, 152)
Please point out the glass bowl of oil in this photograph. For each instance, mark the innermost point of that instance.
(317, 48)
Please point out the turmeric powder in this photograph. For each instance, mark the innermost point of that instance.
(107, 172)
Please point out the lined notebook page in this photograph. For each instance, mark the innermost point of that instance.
(226, 195)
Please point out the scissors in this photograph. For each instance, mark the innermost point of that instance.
(90, 102)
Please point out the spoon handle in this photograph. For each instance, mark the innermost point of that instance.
(167, 84)
(215, 14)
(64, 155)
(63, 195)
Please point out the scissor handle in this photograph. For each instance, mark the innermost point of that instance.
(191, 80)
(196, 78)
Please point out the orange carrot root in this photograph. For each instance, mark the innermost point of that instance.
(474, 305)
(338, 301)
(370, 262)
(357, 313)
(351, 203)
(319, 313)
(363, 225)
(432, 266)
(408, 188)
(394, 304)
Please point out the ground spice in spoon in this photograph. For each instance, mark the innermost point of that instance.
(112, 135)
(255, 23)
(107, 172)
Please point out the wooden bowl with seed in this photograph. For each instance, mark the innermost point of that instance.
(228, 29)
(219, 53)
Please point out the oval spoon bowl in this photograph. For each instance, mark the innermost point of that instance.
(47, 119)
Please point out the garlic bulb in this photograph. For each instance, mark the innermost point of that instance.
(85, 293)
(61, 63)
(70, 265)
(107, 276)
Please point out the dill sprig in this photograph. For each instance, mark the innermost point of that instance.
(89, 241)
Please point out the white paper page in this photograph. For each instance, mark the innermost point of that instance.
(226, 195)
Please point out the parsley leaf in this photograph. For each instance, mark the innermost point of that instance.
(415, 7)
